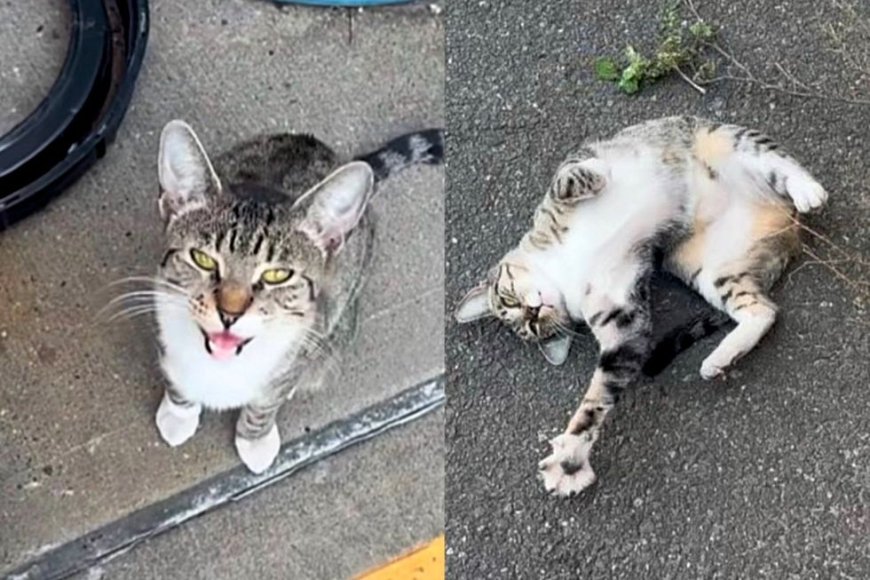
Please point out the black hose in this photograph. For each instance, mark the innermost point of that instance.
(66, 134)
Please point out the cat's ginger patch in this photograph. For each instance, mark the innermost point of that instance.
(711, 146)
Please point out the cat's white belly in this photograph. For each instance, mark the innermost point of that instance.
(603, 234)
(217, 384)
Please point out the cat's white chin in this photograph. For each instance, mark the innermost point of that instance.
(222, 384)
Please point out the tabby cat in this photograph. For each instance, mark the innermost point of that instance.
(715, 202)
(265, 254)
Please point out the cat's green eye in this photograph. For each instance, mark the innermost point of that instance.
(203, 260)
(276, 275)
(509, 302)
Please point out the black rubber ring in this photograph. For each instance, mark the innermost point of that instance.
(71, 128)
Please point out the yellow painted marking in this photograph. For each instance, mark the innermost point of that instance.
(423, 563)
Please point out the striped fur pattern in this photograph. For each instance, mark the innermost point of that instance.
(578, 178)
(425, 147)
(718, 202)
(266, 252)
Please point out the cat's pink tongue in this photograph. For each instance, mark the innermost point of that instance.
(224, 344)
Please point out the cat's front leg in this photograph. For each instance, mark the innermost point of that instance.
(257, 438)
(177, 418)
(567, 470)
(623, 331)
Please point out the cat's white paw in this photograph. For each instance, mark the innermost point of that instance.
(259, 454)
(807, 194)
(567, 470)
(176, 424)
(710, 369)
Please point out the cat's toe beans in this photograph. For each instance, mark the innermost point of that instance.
(259, 454)
(567, 470)
(566, 479)
(176, 425)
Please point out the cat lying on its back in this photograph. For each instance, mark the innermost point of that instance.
(265, 254)
(718, 202)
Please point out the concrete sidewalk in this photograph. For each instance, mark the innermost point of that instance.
(329, 522)
(764, 475)
(77, 398)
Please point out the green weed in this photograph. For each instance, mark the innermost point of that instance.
(681, 49)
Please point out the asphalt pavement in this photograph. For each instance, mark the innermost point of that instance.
(763, 475)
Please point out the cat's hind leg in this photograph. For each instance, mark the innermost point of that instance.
(623, 327)
(741, 296)
(733, 262)
(749, 161)
(736, 278)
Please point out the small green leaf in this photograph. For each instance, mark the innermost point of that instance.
(606, 69)
(629, 85)
(701, 30)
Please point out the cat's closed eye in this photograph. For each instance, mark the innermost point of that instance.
(509, 302)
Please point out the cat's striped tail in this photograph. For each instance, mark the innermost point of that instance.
(419, 147)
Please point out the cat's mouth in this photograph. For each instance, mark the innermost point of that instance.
(224, 345)
(541, 323)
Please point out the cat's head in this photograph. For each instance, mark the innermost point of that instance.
(249, 263)
(526, 300)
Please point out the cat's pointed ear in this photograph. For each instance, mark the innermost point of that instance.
(474, 305)
(187, 178)
(336, 204)
(555, 349)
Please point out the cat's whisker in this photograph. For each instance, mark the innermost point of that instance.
(141, 293)
(319, 347)
(143, 306)
(152, 286)
(565, 329)
(138, 298)
(317, 339)
(146, 293)
(130, 314)
(312, 347)
(328, 359)
(136, 309)
(148, 279)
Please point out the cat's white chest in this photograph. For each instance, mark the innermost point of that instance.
(217, 384)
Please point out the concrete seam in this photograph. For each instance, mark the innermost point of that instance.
(118, 537)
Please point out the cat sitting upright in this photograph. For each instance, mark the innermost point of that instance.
(265, 254)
